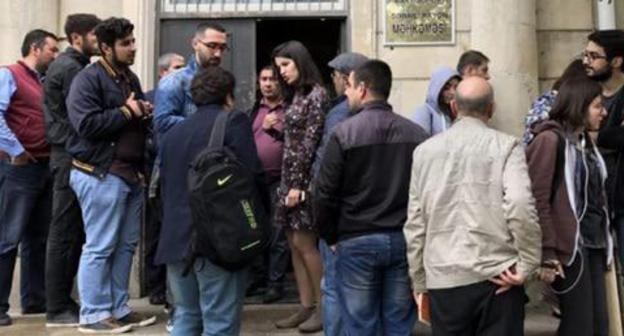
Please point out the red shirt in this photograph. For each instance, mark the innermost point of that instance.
(270, 150)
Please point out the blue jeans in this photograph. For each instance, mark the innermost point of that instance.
(332, 323)
(25, 210)
(208, 300)
(111, 212)
(373, 285)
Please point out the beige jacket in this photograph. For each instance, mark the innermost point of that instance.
(471, 213)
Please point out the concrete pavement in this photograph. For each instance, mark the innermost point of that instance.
(257, 321)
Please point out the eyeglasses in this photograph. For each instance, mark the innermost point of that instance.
(215, 46)
(592, 56)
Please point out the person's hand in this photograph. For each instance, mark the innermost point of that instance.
(549, 273)
(269, 121)
(508, 279)
(134, 106)
(23, 159)
(293, 198)
(147, 108)
(417, 296)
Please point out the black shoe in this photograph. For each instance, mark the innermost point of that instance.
(5, 320)
(272, 295)
(66, 319)
(33, 310)
(158, 299)
(255, 289)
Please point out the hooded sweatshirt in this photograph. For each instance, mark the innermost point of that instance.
(558, 215)
(430, 115)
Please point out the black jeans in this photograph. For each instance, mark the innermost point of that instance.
(477, 310)
(584, 305)
(25, 207)
(156, 275)
(270, 268)
(65, 238)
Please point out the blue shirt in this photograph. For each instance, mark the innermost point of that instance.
(173, 102)
(8, 140)
(338, 113)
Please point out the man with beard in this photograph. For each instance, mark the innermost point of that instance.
(109, 117)
(26, 183)
(603, 59)
(66, 234)
(173, 98)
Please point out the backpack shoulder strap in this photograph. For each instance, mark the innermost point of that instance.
(559, 165)
(217, 135)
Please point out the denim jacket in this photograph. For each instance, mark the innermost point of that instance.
(173, 102)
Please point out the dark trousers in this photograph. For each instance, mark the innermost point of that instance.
(270, 268)
(477, 310)
(25, 207)
(156, 275)
(65, 238)
(584, 305)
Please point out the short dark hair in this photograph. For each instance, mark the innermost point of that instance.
(612, 41)
(376, 76)
(573, 71)
(267, 67)
(476, 106)
(212, 85)
(80, 24)
(572, 102)
(201, 28)
(471, 57)
(309, 75)
(113, 29)
(36, 37)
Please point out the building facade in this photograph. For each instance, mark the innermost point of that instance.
(529, 42)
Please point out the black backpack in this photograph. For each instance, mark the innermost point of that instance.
(230, 224)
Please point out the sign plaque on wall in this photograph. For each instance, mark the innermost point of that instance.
(419, 22)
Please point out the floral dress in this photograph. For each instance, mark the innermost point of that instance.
(303, 130)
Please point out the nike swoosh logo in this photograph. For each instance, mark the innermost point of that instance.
(221, 182)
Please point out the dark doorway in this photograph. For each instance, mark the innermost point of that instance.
(322, 36)
(252, 40)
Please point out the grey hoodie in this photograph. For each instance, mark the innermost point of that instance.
(430, 116)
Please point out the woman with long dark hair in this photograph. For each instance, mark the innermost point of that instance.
(568, 174)
(305, 115)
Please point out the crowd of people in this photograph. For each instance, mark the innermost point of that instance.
(378, 214)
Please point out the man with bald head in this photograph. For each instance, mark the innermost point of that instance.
(471, 231)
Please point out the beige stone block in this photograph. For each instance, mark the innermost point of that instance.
(417, 62)
(406, 95)
(362, 26)
(19, 17)
(462, 15)
(564, 14)
(556, 49)
(103, 9)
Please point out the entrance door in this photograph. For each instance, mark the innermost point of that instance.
(324, 38)
(251, 41)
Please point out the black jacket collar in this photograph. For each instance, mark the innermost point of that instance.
(77, 56)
